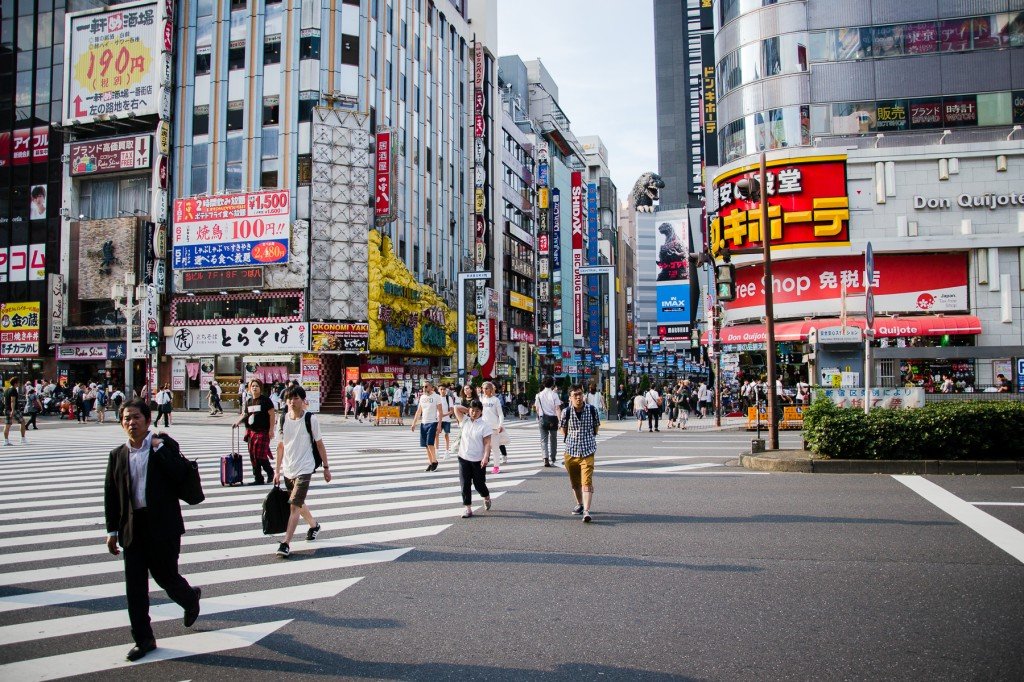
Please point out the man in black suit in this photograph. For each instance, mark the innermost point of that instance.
(143, 516)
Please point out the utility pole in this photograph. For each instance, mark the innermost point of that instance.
(769, 308)
(134, 297)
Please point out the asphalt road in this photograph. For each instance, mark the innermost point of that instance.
(692, 569)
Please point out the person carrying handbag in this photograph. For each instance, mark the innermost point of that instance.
(548, 406)
(652, 402)
(298, 449)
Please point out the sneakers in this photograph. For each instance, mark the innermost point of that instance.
(496, 469)
(7, 443)
(468, 514)
(577, 510)
(313, 532)
(504, 459)
(547, 463)
(283, 550)
(487, 503)
(586, 516)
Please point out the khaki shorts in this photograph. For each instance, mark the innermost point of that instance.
(581, 471)
(14, 417)
(298, 487)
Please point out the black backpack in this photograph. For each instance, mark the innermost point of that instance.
(318, 461)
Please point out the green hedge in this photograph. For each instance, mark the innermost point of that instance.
(947, 430)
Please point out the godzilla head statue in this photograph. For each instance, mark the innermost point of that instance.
(645, 192)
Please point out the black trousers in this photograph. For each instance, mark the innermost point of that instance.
(147, 556)
(472, 472)
(653, 414)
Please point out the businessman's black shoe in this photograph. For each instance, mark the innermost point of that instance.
(140, 650)
(193, 613)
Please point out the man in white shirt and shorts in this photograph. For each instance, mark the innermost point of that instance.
(428, 412)
(295, 461)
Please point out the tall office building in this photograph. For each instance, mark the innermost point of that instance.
(889, 124)
(339, 160)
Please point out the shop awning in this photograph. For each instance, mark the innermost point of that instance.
(924, 325)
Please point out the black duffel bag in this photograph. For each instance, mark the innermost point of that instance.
(275, 511)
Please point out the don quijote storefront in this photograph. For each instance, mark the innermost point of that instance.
(932, 281)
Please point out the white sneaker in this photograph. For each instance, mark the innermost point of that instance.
(7, 442)
(24, 441)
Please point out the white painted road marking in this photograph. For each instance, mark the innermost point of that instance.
(112, 657)
(226, 603)
(1002, 535)
(998, 504)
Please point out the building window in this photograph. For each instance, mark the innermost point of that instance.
(202, 63)
(271, 111)
(233, 158)
(236, 58)
(269, 142)
(200, 153)
(350, 50)
(235, 115)
(201, 121)
(272, 52)
(306, 110)
(309, 47)
(237, 4)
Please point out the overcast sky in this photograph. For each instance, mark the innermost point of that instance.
(601, 55)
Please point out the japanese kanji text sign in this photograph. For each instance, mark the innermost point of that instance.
(807, 204)
(383, 204)
(230, 230)
(287, 337)
(111, 63)
(19, 330)
(112, 155)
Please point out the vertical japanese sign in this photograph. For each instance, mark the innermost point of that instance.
(576, 204)
(594, 323)
(709, 101)
(485, 351)
(56, 287)
(111, 63)
(480, 184)
(384, 207)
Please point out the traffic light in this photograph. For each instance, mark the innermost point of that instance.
(154, 342)
(725, 281)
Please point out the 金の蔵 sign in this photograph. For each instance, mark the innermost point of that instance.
(19, 330)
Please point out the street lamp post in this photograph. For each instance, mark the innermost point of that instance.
(129, 299)
(769, 308)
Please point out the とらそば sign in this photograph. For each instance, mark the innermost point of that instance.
(807, 204)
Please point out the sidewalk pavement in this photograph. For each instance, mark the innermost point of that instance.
(806, 462)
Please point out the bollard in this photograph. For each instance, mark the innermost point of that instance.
(756, 446)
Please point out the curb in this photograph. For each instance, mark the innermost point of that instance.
(798, 461)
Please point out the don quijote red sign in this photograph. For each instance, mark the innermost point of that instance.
(902, 283)
(807, 204)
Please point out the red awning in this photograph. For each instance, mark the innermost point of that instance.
(925, 325)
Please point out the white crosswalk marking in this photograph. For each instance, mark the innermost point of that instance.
(53, 558)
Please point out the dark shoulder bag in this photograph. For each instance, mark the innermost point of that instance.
(317, 459)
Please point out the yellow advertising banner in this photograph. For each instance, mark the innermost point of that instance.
(519, 301)
(542, 197)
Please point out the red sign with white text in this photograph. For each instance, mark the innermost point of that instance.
(903, 283)
(807, 204)
(382, 163)
(524, 335)
(576, 205)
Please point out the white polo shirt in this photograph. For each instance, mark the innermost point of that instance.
(471, 442)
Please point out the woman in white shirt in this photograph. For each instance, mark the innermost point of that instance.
(493, 416)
